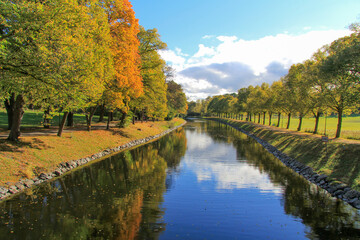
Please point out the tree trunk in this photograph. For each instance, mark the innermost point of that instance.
(62, 124)
(111, 115)
(259, 118)
(134, 116)
(123, 119)
(102, 113)
(288, 123)
(300, 123)
(338, 130)
(70, 120)
(270, 115)
(46, 118)
(89, 117)
(18, 113)
(10, 107)
(279, 118)
(108, 121)
(264, 114)
(317, 117)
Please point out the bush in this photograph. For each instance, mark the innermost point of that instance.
(127, 121)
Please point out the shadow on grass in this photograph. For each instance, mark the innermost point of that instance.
(10, 146)
(119, 132)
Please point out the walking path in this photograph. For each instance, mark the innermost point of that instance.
(53, 130)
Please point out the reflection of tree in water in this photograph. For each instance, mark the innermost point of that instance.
(112, 199)
(220, 133)
(327, 218)
(173, 147)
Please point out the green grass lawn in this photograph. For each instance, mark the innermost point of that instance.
(350, 125)
(35, 118)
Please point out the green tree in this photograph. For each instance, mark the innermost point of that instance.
(342, 70)
(299, 88)
(243, 103)
(176, 98)
(153, 101)
(286, 102)
(317, 94)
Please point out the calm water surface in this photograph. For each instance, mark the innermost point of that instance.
(204, 181)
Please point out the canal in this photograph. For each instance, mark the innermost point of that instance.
(203, 181)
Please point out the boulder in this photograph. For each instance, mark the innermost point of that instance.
(3, 190)
(351, 194)
(13, 189)
(43, 176)
(20, 186)
(58, 172)
(28, 183)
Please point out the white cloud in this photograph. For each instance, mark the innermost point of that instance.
(226, 39)
(208, 36)
(204, 51)
(234, 63)
(176, 60)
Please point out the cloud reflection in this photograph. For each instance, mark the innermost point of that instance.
(218, 163)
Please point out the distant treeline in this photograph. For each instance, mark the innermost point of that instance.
(328, 83)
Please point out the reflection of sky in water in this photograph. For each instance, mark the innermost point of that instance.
(218, 162)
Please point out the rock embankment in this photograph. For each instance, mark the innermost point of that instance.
(338, 190)
(67, 166)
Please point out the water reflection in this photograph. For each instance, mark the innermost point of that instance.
(325, 217)
(206, 181)
(113, 199)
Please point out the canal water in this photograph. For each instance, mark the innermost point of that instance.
(203, 181)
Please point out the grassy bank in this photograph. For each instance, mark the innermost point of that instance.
(339, 158)
(350, 125)
(36, 154)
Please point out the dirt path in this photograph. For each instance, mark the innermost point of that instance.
(52, 131)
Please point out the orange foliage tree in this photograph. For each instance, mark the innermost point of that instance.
(127, 83)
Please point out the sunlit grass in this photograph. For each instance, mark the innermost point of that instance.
(35, 118)
(350, 125)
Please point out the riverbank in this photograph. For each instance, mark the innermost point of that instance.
(38, 158)
(334, 165)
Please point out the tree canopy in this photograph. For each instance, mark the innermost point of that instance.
(69, 55)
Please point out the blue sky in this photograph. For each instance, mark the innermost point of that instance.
(220, 46)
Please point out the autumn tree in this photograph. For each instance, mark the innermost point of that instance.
(20, 56)
(127, 83)
(153, 101)
(176, 99)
